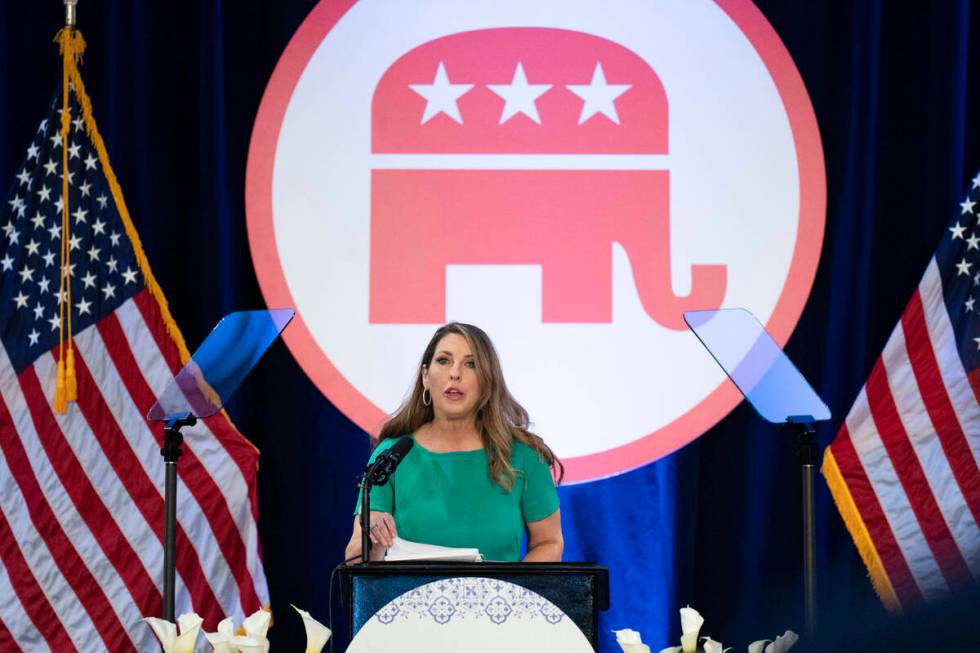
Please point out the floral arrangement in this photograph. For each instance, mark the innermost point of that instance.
(229, 640)
(691, 621)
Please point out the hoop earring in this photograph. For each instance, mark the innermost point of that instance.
(424, 402)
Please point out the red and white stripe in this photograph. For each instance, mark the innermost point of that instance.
(81, 498)
(908, 452)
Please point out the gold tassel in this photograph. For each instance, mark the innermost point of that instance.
(71, 381)
(60, 400)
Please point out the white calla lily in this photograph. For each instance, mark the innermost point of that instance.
(758, 646)
(256, 625)
(783, 643)
(691, 622)
(671, 649)
(316, 633)
(166, 632)
(630, 641)
(711, 646)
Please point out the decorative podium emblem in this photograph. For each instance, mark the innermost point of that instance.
(572, 178)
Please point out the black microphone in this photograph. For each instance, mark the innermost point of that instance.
(384, 465)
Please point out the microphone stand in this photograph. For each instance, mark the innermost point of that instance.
(377, 474)
(365, 516)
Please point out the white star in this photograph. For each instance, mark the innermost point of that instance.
(74, 242)
(9, 227)
(98, 227)
(55, 322)
(976, 181)
(74, 151)
(90, 162)
(24, 177)
(38, 311)
(37, 220)
(71, 269)
(967, 206)
(26, 274)
(969, 305)
(440, 96)
(43, 285)
(48, 259)
(80, 214)
(89, 279)
(21, 300)
(62, 297)
(43, 126)
(78, 122)
(32, 247)
(84, 306)
(519, 96)
(33, 335)
(111, 264)
(102, 200)
(6, 262)
(109, 290)
(957, 231)
(56, 139)
(93, 253)
(55, 231)
(599, 96)
(85, 188)
(44, 193)
(51, 167)
(32, 152)
(71, 175)
(59, 205)
(14, 237)
(114, 237)
(129, 275)
(976, 279)
(972, 243)
(16, 203)
(963, 267)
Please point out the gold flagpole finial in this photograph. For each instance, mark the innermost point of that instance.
(70, 12)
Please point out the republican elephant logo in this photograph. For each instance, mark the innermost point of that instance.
(494, 137)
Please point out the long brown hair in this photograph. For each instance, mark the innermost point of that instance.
(500, 420)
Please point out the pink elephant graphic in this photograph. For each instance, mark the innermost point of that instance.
(494, 164)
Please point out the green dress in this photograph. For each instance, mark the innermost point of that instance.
(449, 499)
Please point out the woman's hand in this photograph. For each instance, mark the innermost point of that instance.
(383, 531)
(383, 534)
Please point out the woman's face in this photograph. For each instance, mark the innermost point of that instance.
(452, 379)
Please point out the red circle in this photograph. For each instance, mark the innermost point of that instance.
(684, 429)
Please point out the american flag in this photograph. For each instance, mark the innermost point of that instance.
(903, 468)
(81, 493)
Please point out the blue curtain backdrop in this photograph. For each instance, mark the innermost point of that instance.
(717, 524)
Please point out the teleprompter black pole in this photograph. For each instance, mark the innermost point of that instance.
(808, 466)
(171, 451)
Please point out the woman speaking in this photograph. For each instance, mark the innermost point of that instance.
(475, 477)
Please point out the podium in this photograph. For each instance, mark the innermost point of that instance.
(579, 590)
